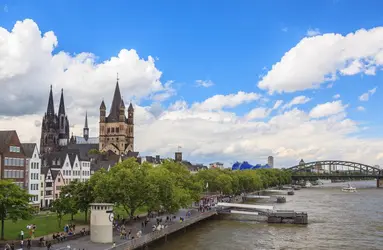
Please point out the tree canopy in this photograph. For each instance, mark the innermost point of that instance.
(168, 186)
(14, 203)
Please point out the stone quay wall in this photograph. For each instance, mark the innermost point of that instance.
(148, 238)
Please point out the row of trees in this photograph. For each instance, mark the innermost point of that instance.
(230, 182)
(167, 187)
(131, 186)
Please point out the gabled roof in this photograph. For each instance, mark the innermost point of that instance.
(28, 148)
(54, 173)
(5, 138)
(83, 149)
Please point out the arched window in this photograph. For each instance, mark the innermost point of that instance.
(62, 122)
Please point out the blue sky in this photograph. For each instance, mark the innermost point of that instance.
(230, 43)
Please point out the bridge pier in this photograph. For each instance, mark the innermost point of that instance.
(379, 182)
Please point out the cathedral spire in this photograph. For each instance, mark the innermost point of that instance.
(50, 108)
(86, 129)
(115, 107)
(62, 105)
(86, 119)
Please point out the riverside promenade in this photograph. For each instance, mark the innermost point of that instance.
(147, 235)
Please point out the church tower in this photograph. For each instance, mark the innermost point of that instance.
(116, 131)
(63, 123)
(54, 128)
(49, 127)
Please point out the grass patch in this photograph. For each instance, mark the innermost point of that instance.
(45, 224)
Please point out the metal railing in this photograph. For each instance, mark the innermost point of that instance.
(150, 237)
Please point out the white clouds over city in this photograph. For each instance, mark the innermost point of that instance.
(213, 129)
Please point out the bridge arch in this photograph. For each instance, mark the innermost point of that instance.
(368, 169)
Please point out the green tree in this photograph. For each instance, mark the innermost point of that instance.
(127, 184)
(84, 196)
(60, 207)
(69, 192)
(14, 203)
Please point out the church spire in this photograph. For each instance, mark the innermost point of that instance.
(62, 105)
(86, 129)
(115, 107)
(86, 119)
(50, 108)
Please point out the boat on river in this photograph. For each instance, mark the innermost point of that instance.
(349, 189)
(308, 184)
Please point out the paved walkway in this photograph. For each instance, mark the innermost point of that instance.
(86, 244)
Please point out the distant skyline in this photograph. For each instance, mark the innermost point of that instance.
(225, 81)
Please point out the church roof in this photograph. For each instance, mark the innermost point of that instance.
(102, 106)
(130, 107)
(115, 107)
(84, 148)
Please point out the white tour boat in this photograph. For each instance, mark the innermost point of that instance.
(349, 188)
(308, 184)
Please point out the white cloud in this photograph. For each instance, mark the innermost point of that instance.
(218, 102)
(366, 96)
(360, 108)
(313, 32)
(337, 96)
(6, 8)
(28, 67)
(297, 101)
(204, 83)
(285, 29)
(321, 59)
(327, 109)
(207, 130)
(257, 113)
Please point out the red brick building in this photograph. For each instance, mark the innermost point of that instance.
(12, 158)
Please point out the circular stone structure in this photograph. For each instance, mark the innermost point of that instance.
(101, 222)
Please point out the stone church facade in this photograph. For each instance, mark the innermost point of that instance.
(116, 132)
(54, 127)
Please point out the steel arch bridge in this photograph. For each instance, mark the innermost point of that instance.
(331, 166)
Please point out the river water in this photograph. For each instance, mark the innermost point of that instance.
(337, 220)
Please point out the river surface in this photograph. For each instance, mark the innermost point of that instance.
(337, 220)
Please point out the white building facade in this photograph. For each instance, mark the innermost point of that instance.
(33, 166)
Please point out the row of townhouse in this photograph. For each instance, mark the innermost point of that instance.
(44, 176)
(21, 163)
(60, 169)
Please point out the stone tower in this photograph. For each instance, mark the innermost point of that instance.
(116, 131)
(63, 123)
(54, 128)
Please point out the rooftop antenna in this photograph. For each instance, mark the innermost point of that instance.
(117, 77)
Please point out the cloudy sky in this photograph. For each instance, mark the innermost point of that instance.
(226, 82)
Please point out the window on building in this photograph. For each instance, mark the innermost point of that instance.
(112, 130)
(108, 130)
(14, 149)
(117, 130)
